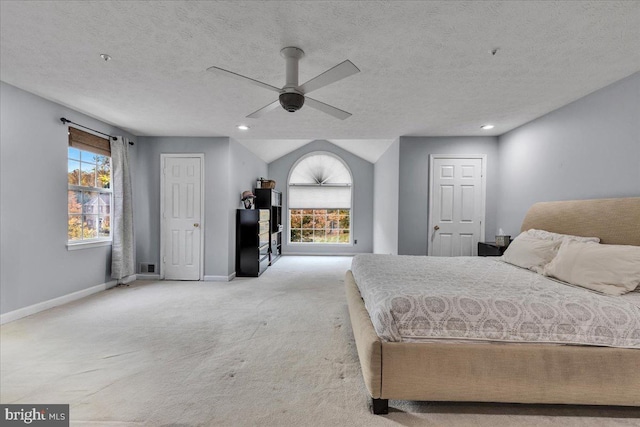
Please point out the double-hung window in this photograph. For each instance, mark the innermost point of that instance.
(319, 200)
(89, 196)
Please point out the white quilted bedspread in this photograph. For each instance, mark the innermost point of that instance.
(410, 298)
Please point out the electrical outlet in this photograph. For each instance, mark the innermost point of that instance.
(355, 242)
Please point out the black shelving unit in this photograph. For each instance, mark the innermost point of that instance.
(252, 242)
(267, 198)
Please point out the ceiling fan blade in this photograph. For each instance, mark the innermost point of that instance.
(339, 72)
(270, 107)
(326, 108)
(237, 76)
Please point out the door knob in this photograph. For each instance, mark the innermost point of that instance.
(196, 225)
(436, 228)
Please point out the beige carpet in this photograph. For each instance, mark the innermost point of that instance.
(272, 351)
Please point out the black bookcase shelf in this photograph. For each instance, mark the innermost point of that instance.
(267, 198)
(252, 241)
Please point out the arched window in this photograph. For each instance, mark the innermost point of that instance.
(320, 186)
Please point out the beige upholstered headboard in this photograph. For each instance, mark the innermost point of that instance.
(614, 221)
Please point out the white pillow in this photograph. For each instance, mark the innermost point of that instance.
(531, 253)
(610, 269)
(548, 235)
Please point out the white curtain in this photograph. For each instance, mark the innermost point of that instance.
(319, 197)
(122, 248)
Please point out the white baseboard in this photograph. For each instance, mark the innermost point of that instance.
(55, 302)
(321, 254)
(220, 278)
(147, 276)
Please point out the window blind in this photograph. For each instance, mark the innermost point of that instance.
(89, 142)
(309, 197)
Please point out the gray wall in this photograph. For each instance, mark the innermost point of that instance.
(35, 265)
(216, 217)
(413, 203)
(245, 169)
(587, 149)
(386, 175)
(362, 209)
(229, 168)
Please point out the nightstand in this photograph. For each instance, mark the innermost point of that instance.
(490, 249)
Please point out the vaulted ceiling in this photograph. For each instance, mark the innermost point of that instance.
(427, 68)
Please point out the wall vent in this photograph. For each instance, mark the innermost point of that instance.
(147, 268)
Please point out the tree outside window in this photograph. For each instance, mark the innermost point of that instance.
(319, 200)
(320, 225)
(89, 196)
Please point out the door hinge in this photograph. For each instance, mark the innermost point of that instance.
(164, 259)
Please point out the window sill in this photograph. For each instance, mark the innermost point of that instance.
(87, 245)
(337, 245)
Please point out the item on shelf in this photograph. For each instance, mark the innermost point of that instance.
(503, 240)
(267, 183)
(248, 198)
(267, 198)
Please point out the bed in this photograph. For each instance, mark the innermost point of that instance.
(508, 371)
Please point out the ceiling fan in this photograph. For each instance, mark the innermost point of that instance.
(293, 96)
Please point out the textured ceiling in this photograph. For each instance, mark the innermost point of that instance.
(426, 67)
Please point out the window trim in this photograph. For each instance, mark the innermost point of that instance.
(95, 241)
(76, 245)
(351, 210)
(323, 244)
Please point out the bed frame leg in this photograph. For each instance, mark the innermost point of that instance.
(379, 406)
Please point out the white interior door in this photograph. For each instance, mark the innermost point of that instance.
(181, 217)
(456, 201)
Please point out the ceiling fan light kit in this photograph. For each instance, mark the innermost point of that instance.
(292, 95)
(291, 101)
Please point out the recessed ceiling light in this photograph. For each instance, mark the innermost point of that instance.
(486, 127)
(105, 57)
(243, 127)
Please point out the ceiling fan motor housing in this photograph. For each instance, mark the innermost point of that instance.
(291, 101)
(292, 95)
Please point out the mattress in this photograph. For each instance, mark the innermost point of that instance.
(414, 298)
